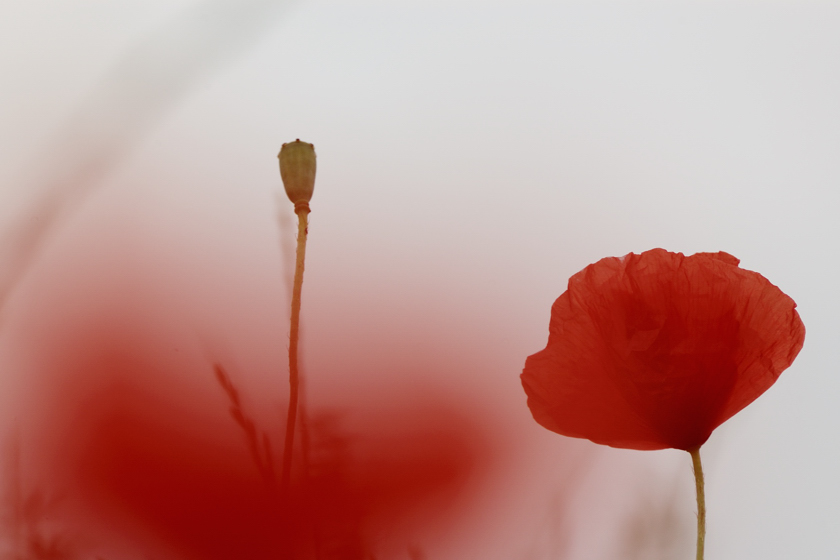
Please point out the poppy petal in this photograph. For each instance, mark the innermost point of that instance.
(656, 350)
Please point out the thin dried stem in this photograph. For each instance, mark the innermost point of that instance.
(302, 210)
(701, 502)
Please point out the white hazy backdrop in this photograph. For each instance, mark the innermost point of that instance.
(472, 157)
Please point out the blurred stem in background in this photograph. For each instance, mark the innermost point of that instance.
(130, 99)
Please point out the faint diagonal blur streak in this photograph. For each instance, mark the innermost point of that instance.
(132, 97)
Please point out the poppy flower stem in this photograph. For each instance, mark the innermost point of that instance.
(302, 211)
(701, 501)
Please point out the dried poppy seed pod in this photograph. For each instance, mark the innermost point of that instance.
(297, 169)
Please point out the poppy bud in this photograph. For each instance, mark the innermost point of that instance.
(297, 169)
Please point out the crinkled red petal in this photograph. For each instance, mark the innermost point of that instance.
(656, 350)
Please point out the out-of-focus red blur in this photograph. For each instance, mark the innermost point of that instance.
(147, 458)
(158, 453)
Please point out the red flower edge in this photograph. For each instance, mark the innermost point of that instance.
(656, 350)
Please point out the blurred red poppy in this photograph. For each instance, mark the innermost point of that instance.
(154, 474)
(656, 350)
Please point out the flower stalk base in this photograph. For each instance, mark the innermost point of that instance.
(302, 211)
(701, 501)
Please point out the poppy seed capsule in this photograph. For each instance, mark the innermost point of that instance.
(297, 169)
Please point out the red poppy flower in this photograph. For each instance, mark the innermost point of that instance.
(656, 350)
